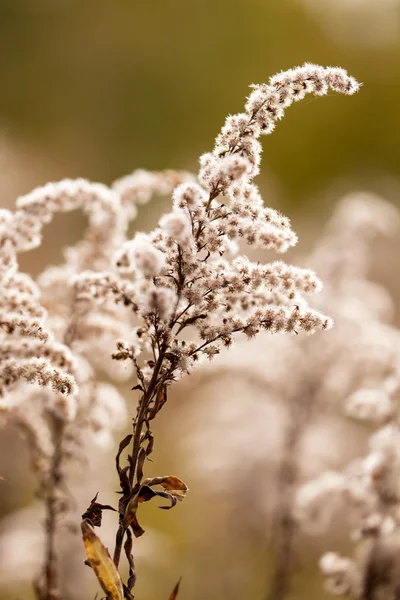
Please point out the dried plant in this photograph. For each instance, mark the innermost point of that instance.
(183, 289)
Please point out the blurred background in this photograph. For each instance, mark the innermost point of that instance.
(96, 89)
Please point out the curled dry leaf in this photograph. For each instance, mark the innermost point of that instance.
(173, 485)
(174, 490)
(160, 400)
(122, 445)
(140, 463)
(102, 563)
(130, 519)
(124, 482)
(94, 512)
(128, 551)
(150, 445)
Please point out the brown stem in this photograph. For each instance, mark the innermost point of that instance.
(136, 443)
(47, 588)
(144, 403)
(149, 392)
(50, 588)
(285, 525)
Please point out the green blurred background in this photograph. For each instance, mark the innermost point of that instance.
(97, 88)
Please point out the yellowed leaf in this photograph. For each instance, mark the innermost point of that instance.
(175, 486)
(102, 563)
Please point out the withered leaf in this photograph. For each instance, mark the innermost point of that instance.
(171, 498)
(138, 387)
(128, 551)
(160, 400)
(136, 528)
(174, 489)
(175, 486)
(124, 481)
(130, 518)
(150, 445)
(94, 512)
(140, 463)
(122, 445)
(102, 564)
(130, 512)
(146, 493)
(175, 590)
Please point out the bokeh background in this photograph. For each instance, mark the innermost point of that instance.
(97, 88)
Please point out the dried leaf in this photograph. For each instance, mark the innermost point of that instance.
(175, 486)
(130, 518)
(161, 399)
(171, 498)
(122, 445)
(94, 511)
(128, 551)
(124, 481)
(138, 387)
(130, 512)
(102, 563)
(150, 445)
(140, 463)
(136, 528)
(174, 489)
(175, 590)
(146, 493)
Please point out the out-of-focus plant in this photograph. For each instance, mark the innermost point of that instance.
(367, 491)
(355, 366)
(183, 288)
(61, 349)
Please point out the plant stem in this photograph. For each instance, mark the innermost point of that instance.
(143, 409)
(285, 525)
(136, 442)
(50, 590)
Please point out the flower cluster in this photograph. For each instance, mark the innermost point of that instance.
(46, 337)
(170, 298)
(185, 272)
